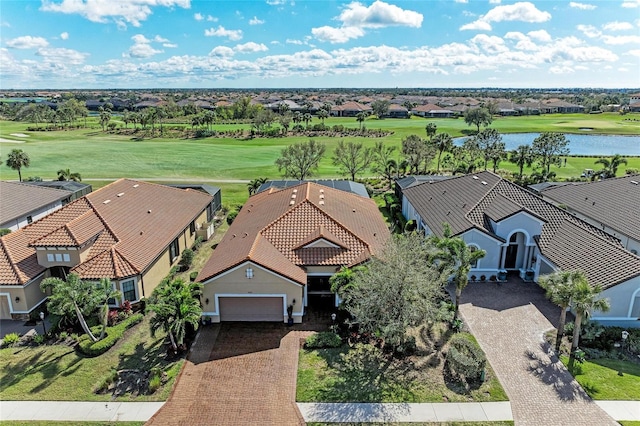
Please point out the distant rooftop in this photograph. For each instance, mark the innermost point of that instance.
(343, 185)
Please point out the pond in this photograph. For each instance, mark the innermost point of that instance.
(594, 145)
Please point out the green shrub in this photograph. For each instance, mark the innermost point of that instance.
(113, 334)
(11, 339)
(187, 259)
(4, 231)
(193, 275)
(38, 339)
(231, 217)
(465, 357)
(155, 380)
(325, 339)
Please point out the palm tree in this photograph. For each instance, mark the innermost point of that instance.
(307, 117)
(176, 306)
(78, 297)
(105, 115)
(17, 159)
(522, 156)
(255, 184)
(65, 174)
(456, 254)
(442, 142)
(584, 299)
(431, 130)
(559, 288)
(323, 114)
(360, 117)
(610, 166)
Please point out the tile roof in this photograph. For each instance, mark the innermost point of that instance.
(128, 223)
(274, 226)
(613, 202)
(19, 199)
(465, 202)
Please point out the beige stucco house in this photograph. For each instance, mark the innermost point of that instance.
(283, 247)
(131, 232)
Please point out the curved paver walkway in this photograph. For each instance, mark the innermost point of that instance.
(249, 378)
(509, 321)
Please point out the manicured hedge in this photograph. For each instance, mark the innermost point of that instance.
(325, 339)
(112, 335)
(465, 357)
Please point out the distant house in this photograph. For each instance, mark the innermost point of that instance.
(78, 189)
(131, 232)
(22, 203)
(283, 247)
(397, 111)
(349, 109)
(634, 102)
(553, 106)
(432, 111)
(526, 235)
(612, 205)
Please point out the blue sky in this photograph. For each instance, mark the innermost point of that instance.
(65, 44)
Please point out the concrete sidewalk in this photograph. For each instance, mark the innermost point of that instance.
(405, 412)
(86, 411)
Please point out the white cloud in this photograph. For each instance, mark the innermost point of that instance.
(221, 31)
(198, 16)
(276, 2)
(617, 26)
(169, 45)
(589, 30)
(631, 4)
(561, 69)
(201, 17)
(462, 1)
(223, 51)
(582, 6)
(540, 35)
(379, 15)
(616, 40)
(142, 47)
(292, 41)
(131, 11)
(160, 39)
(521, 11)
(62, 56)
(251, 47)
(27, 42)
(634, 52)
(495, 1)
(490, 44)
(255, 21)
(140, 39)
(336, 35)
(64, 35)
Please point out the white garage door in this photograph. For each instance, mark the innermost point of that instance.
(251, 309)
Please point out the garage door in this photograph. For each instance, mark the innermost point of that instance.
(251, 309)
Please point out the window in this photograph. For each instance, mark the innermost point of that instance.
(29, 219)
(66, 257)
(192, 229)
(50, 257)
(129, 290)
(174, 250)
(249, 273)
(473, 249)
(58, 257)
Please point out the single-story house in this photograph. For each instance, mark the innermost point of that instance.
(432, 111)
(283, 247)
(131, 232)
(524, 234)
(397, 111)
(612, 205)
(22, 204)
(349, 109)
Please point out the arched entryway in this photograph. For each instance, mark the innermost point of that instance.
(514, 251)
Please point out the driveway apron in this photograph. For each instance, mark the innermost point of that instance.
(509, 321)
(248, 378)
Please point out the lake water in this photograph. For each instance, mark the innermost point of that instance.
(595, 145)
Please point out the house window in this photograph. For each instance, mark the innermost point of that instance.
(66, 257)
(50, 257)
(129, 290)
(473, 249)
(29, 219)
(192, 229)
(174, 250)
(58, 257)
(249, 273)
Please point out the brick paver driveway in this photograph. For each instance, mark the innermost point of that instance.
(249, 378)
(509, 321)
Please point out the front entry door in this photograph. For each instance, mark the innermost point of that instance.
(511, 256)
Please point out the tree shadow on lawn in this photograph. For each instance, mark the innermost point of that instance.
(49, 365)
(552, 372)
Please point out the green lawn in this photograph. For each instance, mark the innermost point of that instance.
(608, 379)
(59, 373)
(324, 377)
(629, 423)
(98, 155)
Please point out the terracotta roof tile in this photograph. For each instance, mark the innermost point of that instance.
(273, 226)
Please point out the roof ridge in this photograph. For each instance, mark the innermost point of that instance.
(14, 267)
(484, 197)
(124, 258)
(340, 224)
(103, 220)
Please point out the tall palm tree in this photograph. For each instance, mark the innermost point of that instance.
(323, 114)
(17, 159)
(65, 174)
(360, 117)
(522, 156)
(176, 306)
(442, 142)
(307, 117)
(456, 254)
(431, 130)
(255, 184)
(559, 290)
(584, 300)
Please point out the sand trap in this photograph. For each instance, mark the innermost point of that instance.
(19, 135)
(9, 141)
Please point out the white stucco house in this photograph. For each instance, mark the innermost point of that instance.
(524, 234)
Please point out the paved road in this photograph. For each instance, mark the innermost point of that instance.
(509, 322)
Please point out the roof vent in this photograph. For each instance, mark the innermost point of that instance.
(120, 194)
(322, 191)
(295, 190)
(322, 196)
(291, 202)
(476, 177)
(149, 211)
(354, 210)
(106, 201)
(293, 195)
(321, 202)
(634, 182)
(484, 183)
(136, 185)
